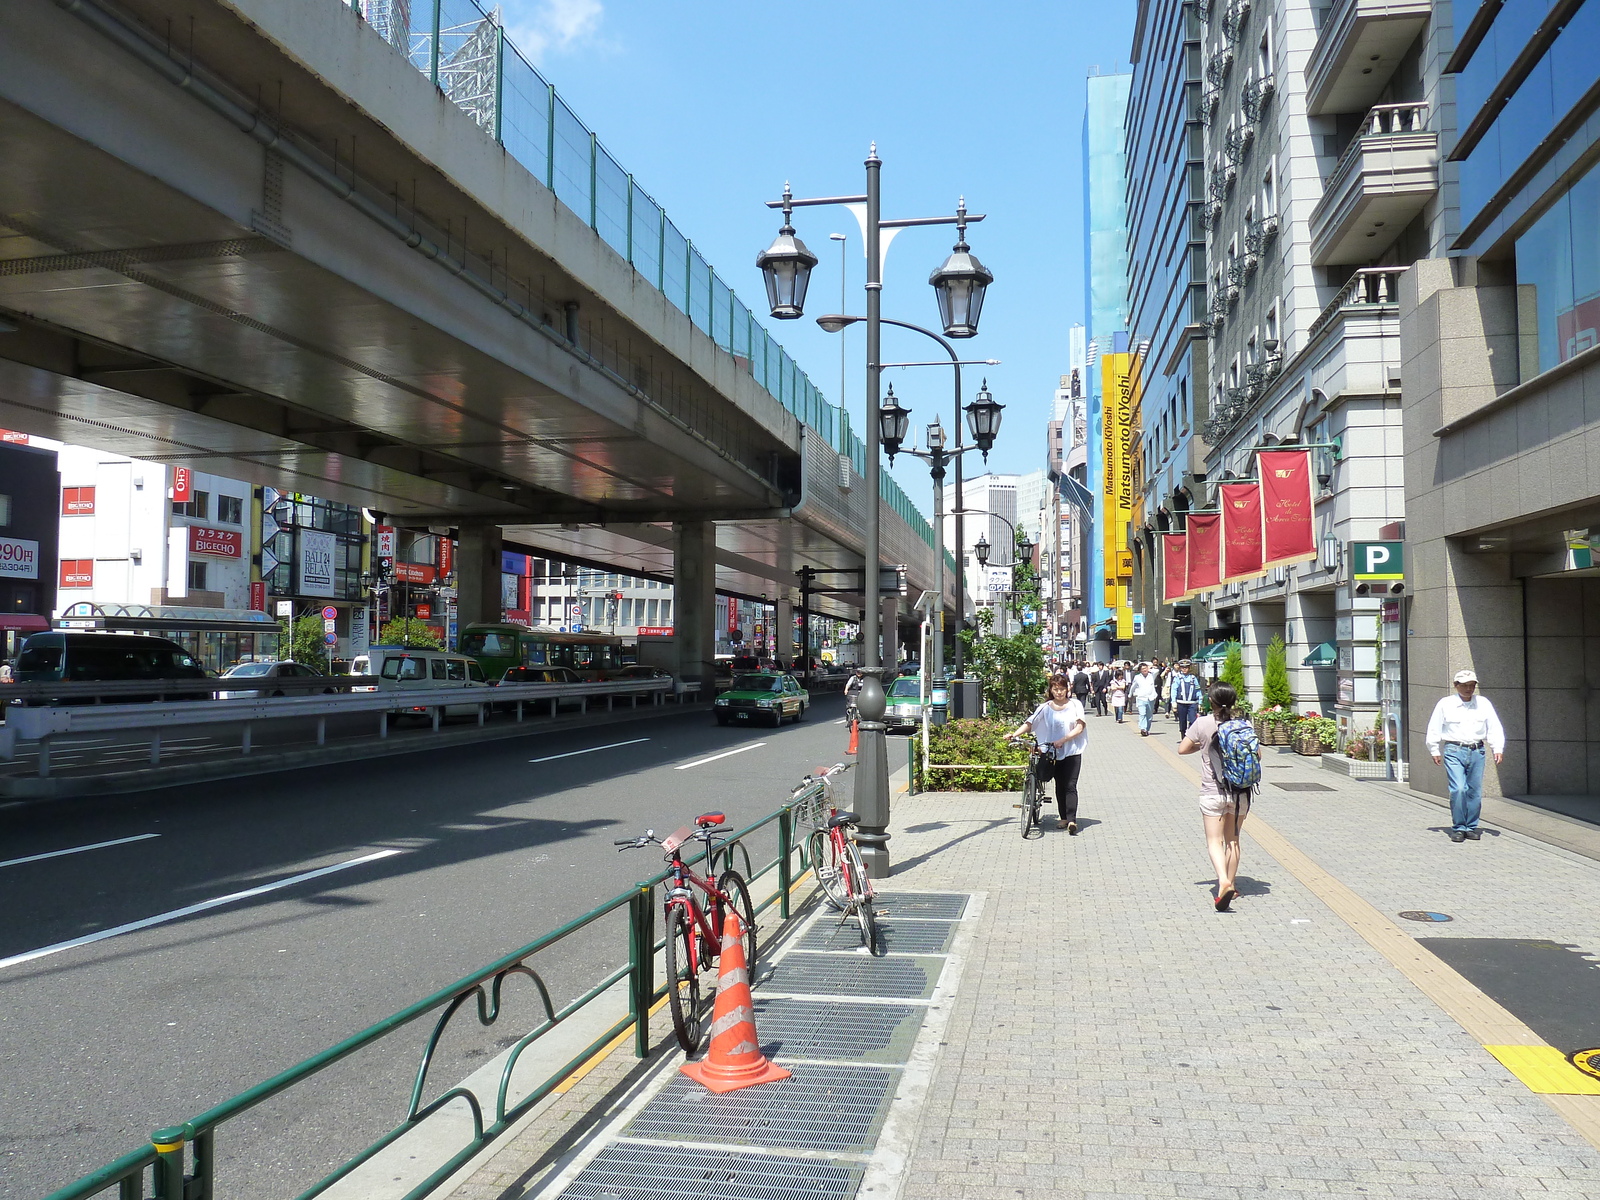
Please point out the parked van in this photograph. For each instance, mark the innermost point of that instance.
(414, 670)
(62, 657)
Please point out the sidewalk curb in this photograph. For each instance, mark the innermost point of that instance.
(20, 789)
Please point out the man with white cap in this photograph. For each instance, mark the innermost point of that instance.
(1459, 730)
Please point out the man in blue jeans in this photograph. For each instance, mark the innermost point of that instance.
(1185, 697)
(1144, 695)
(1463, 727)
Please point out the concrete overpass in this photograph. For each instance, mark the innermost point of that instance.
(258, 238)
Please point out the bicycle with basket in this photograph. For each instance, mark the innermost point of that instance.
(833, 854)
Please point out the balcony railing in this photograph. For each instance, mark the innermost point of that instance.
(1386, 174)
(1361, 44)
(1370, 289)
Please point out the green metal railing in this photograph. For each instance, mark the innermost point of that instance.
(181, 1160)
(463, 49)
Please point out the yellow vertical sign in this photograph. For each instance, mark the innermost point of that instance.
(1117, 400)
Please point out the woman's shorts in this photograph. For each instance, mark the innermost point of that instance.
(1219, 806)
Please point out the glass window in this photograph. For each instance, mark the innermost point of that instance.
(455, 669)
(198, 506)
(230, 510)
(5, 511)
(1559, 257)
(474, 673)
(438, 668)
(197, 577)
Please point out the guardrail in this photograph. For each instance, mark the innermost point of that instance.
(94, 691)
(42, 724)
(182, 1159)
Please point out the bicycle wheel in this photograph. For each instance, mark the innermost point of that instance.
(867, 918)
(824, 858)
(1028, 811)
(855, 873)
(683, 981)
(734, 887)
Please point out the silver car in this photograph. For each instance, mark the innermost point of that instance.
(264, 679)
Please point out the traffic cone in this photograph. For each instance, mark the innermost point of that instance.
(735, 1060)
(855, 736)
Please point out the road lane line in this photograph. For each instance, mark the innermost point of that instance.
(590, 750)
(138, 837)
(700, 762)
(179, 913)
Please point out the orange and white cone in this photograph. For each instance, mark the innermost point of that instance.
(734, 1060)
(855, 736)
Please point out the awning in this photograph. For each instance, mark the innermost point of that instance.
(1325, 655)
(27, 622)
(1214, 652)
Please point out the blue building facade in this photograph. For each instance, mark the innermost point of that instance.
(1105, 269)
(1166, 290)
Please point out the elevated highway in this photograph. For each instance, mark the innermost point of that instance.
(272, 240)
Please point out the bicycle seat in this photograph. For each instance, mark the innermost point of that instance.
(706, 820)
(844, 818)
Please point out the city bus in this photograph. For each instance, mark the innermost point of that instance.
(497, 647)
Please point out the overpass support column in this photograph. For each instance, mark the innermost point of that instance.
(891, 631)
(694, 599)
(783, 621)
(478, 575)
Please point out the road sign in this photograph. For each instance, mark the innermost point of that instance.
(329, 613)
(330, 639)
(285, 608)
(329, 626)
(1378, 560)
(575, 610)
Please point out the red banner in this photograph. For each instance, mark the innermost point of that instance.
(258, 595)
(182, 482)
(77, 572)
(1241, 531)
(77, 502)
(218, 543)
(1174, 568)
(1205, 551)
(1288, 527)
(447, 555)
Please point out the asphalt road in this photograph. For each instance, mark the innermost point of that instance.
(436, 864)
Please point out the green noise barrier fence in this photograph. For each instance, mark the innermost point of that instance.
(181, 1162)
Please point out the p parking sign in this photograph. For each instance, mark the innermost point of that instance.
(1379, 560)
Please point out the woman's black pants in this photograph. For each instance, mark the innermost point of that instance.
(1065, 772)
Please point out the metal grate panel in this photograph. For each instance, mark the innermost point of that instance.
(875, 1033)
(934, 906)
(819, 1107)
(627, 1172)
(907, 937)
(855, 975)
(1303, 787)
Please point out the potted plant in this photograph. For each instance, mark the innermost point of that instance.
(1273, 725)
(1313, 734)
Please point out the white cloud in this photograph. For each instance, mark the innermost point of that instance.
(553, 25)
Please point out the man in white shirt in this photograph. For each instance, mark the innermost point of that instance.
(1144, 695)
(1461, 728)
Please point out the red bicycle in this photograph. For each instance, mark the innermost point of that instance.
(832, 851)
(694, 929)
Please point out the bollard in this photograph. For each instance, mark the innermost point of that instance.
(785, 847)
(168, 1144)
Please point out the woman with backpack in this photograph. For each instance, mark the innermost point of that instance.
(1230, 766)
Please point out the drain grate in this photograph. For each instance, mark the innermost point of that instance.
(934, 906)
(876, 1033)
(819, 1107)
(853, 975)
(907, 937)
(1303, 787)
(626, 1172)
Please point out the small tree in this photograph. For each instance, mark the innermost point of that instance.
(302, 641)
(409, 631)
(1232, 672)
(1275, 690)
(1012, 668)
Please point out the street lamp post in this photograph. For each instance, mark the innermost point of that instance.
(1021, 549)
(960, 285)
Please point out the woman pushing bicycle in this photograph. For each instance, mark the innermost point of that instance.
(1058, 726)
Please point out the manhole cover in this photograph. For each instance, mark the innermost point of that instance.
(907, 937)
(1416, 914)
(852, 975)
(1587, 1061)
(1303, 787)
(929, 905)
(819, 1107)
(877, 1033)
(636, 1172)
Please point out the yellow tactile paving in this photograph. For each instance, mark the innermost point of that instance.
(1545, 1070)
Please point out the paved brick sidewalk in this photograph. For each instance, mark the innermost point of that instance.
(1114, 1036)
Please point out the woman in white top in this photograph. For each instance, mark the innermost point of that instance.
(1058, 727)
(1221, 811)
(1119, 693)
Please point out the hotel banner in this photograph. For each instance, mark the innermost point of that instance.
(1174, 568)
(1205, 551)
(1288, 530)
(1241, 531)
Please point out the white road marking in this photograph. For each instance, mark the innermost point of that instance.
(700, 762)
(590, 750)
(179, 913)
(138, 837)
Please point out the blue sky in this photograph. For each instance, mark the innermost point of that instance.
(712, 105)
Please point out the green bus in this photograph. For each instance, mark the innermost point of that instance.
(498, 647)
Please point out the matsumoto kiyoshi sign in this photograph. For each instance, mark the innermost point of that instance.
(19, 558)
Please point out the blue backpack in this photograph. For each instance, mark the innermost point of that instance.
(1238, 755)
